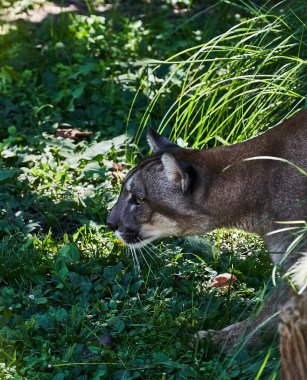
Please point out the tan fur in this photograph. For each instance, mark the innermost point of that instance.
(160, 225)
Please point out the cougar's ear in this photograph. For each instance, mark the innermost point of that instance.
(157, 142)
(174, 172)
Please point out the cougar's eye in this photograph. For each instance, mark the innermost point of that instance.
(137, 200)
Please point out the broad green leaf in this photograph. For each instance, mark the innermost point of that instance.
(40, 300)
(104, 146)
(83, 70)
(6, 175)
(117, 323)
(61, 315)
(100, 374)
(59, 376)
(69, 252)
(7, 153)
(110, 272)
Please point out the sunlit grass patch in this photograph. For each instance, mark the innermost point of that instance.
(237, 84)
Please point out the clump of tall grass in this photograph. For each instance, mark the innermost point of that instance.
(235, 85)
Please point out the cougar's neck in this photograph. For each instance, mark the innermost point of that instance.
(236, 193)
(252, 194)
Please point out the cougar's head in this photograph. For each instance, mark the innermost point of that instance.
(157, 198)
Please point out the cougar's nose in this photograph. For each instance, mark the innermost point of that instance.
(112, 227)
(111, 223)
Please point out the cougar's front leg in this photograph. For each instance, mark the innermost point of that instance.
(254, 330)
(264, 324)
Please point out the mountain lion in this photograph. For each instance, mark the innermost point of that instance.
(179, 192)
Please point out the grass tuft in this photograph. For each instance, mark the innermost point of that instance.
(237, 84)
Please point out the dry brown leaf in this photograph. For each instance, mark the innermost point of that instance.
(223, 280)
(72, 133)
(116, 166)
(118, 175)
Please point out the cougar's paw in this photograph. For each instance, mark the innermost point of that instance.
(205, 334)
(224, 339)
(215, 337)
(201, 335)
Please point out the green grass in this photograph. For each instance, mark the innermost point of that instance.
(237, 84)
(75, 303)
(70, 304)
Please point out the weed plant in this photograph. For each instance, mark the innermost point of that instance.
(74, 302)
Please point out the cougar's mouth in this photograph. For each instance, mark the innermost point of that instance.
(133, 239)
(141, 243)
